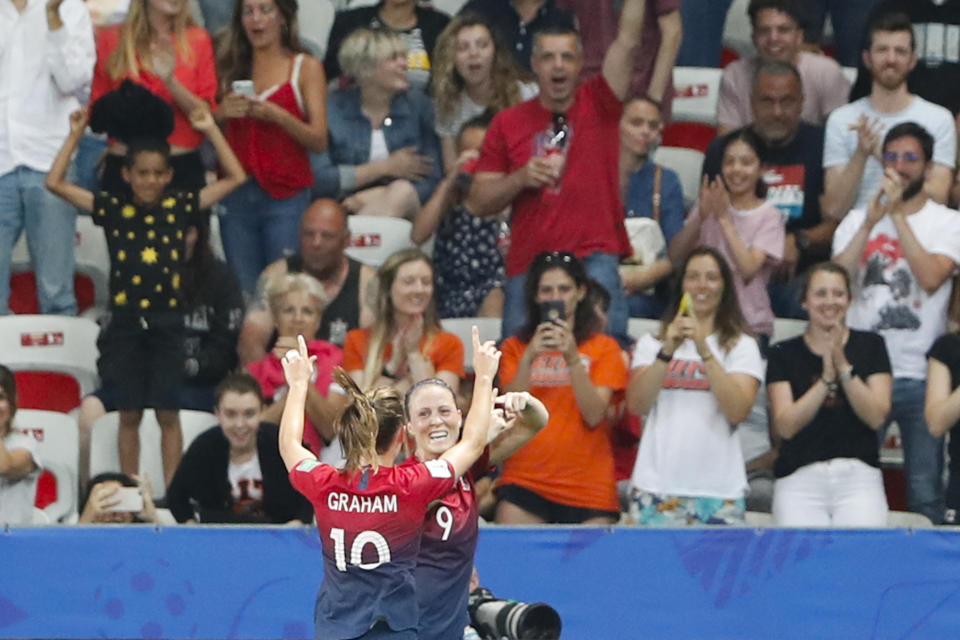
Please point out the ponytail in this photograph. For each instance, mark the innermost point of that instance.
(368, 424)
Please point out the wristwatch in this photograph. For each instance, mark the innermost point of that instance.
(846, 375)
(802, 240)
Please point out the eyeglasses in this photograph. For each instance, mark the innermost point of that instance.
(907, 156)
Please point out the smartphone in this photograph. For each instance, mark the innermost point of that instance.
(552, 310)
(244, 88)
(129, 499)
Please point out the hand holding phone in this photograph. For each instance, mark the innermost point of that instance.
(127, 499)
(552, 310)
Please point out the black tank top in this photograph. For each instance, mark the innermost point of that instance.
(343, 312)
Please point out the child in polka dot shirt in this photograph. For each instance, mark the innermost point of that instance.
(141, 346)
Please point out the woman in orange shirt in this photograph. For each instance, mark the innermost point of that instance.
(406, 343)
(159, 47)
(565, 473)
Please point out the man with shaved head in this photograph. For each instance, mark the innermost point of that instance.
(324, 238)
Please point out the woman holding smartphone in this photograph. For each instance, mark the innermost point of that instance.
(274, 107)
(694, 383)
(565, 473)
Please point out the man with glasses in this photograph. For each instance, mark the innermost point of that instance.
(554, 160)
(900, 251)
(851, 162)
(778, 35)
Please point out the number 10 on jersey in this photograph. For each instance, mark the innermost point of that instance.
(356, 549)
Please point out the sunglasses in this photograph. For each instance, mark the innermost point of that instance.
(556, 257)
(907, 156)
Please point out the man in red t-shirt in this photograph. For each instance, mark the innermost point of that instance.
(554, 159)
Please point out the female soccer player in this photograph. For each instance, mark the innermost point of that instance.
(370, 514)
(450, 532)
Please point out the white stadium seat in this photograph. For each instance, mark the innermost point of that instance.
(489, 329)
(737, 30)
(373, 239)
(688, 164)
(786, 328)
(696, 94)
(315, 19)
(639, 327)
(51, 343)
(104, 455)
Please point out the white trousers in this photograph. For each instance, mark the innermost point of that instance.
(843, 492)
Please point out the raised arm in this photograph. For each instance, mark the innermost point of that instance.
(747, 260)
(525, 416)
(15, 463)
(491, 192)
(618, 61)
(841, 183)
(297, 369)
(443, 199)
(930, 269)
(849, 256)
(233, 173)
(57, 176)
(671, 34)
(486, 359)
(163, 62)
(70, 47)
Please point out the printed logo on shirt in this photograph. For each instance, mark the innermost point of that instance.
(438, 468)
(888, 285)
(785, 189)
(308, 465)
(338, 332)
(686, 374)
(551, 370)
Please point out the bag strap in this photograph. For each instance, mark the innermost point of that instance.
(657, 181)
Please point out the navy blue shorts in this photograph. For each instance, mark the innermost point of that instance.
(141, 359)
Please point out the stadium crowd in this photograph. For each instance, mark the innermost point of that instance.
(515, 145)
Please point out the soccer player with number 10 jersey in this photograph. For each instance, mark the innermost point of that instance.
(370, 514)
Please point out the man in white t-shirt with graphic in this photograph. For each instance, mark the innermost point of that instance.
(901, 251)
(852, 166)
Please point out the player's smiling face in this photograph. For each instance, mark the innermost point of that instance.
(434, 420)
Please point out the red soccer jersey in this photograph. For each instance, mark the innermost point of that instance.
(445, 562)
(369, 525)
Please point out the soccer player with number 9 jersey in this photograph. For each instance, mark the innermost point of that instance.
(370, 514)
(450, 530)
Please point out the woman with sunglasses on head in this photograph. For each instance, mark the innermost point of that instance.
(565, 474)
(370, 513)
(829, 392)
(694, 383)
(450, 531)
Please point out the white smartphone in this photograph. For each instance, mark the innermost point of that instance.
(128, 499)
(244, 88)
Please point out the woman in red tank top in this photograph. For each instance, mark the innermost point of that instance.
(273, 98)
